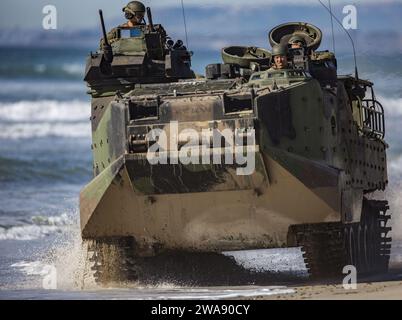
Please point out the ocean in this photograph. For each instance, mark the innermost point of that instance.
(45, 160)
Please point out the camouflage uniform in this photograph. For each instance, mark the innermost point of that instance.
(113, 35)
(273, 68)
(129, 10)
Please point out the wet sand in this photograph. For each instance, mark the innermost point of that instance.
(391, 290)
(381, 287)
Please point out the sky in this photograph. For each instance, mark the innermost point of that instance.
(211, 24)
(78, 14)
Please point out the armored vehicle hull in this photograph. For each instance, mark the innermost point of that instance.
(315, 145)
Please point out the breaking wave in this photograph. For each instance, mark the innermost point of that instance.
(35, 119)
(45, 110)
(45, 129)
(40, 227)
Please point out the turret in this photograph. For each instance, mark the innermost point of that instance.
(140, 54)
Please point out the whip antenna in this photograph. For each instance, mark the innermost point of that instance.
(332, 26)
(350, 37)
(185, 23)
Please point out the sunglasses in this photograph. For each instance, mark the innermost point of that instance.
(139, 15)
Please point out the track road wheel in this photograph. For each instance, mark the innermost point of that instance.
(329, 247)
(376, 220)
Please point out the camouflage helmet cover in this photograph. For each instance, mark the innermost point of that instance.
(133, 7)
(279, 50)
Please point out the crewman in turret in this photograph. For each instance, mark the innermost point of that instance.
(297, 42)
(279, 57)
(134, 12)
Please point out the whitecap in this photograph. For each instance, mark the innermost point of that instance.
(45, 129)
(45, 110)
(61, 220)
(28, 232)
(73, 68)
(41, 227)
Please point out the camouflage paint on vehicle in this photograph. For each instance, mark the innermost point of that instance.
(317, 154)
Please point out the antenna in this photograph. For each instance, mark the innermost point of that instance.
(351, 40)
(332, 26)
(150, 21)
(185, 24)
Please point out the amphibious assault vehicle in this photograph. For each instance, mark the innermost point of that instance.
(318, 152)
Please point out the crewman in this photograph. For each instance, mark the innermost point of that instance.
(279, 57)
(134, 12)
(297, 42)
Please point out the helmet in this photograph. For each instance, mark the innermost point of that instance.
(297, 38)
(279, 50)
(132, 8)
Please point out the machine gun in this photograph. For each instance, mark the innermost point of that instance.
(107, 58)
(150, 21)
(299, 58)
(107, 48)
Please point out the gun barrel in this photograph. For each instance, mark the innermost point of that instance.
(103, 28)
(107, 49)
